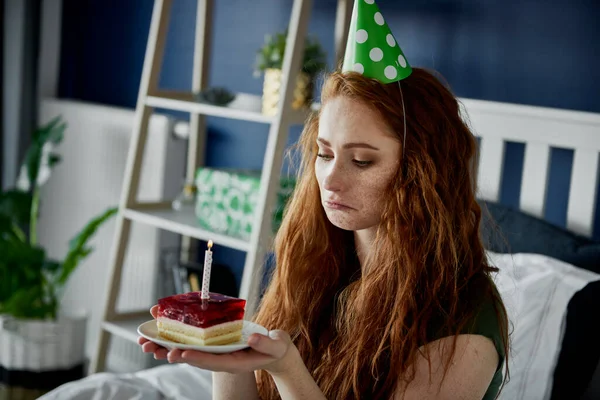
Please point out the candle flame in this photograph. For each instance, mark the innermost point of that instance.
(210, 244)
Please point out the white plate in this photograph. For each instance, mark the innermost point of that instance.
(150, 331)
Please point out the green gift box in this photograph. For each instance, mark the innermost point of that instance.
(226, 200)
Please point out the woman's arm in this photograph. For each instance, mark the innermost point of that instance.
(227, 386)
(295, 382)
(471, 370)
(233, 375)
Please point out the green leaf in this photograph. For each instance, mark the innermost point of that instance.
(30, 302)
(53, 132)
(78, 249)
(53, 159)
(10, 231)
(5, 228)
(16, 205)
(21, 253)
(20, 270)
(271, 54)
(51, 266)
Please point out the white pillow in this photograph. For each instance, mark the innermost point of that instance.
(536, 290)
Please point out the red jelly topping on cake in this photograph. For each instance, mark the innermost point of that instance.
(191, 309)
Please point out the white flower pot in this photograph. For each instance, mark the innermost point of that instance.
(40, 354)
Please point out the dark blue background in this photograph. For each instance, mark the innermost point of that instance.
(537, 52)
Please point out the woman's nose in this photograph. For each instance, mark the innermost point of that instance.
(334, 179)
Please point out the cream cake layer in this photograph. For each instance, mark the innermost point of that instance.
(220, 334)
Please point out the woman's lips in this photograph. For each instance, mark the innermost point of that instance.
(337, 206)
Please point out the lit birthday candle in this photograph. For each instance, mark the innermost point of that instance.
(206, 275)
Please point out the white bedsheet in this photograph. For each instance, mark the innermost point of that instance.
(166, 382)
(536, 290)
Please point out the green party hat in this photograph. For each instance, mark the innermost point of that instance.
(371, 49)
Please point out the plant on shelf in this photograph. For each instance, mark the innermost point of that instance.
(30, 282)
(219, 96)
(269, 60)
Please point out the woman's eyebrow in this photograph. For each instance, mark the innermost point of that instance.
(349, 145)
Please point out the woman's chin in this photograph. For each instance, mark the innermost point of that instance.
(346, 223)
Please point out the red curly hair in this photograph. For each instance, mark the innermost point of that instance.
(360, 334)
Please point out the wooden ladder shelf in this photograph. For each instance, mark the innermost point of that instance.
(161, 215)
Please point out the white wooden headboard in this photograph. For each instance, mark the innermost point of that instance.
(540, 129)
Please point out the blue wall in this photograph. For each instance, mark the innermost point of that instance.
(538, 52)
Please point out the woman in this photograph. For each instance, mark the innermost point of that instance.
(382, 288)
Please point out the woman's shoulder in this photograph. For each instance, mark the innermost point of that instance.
(488, 320)
(484, 315)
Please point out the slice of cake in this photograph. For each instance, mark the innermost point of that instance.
(189, 319)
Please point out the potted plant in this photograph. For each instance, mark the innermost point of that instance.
(269, 60)
(39, 338)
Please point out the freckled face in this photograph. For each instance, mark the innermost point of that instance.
(358, 156)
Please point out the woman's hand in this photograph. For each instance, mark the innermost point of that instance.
(273, 353)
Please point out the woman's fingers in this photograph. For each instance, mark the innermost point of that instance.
(174, 356)
(275, 344)
(150, 347)
(161, 353)
(154, 311)
(244, 360)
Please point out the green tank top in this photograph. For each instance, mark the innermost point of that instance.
(485, 323)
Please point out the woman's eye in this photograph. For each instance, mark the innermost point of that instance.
(362, 163)
(324, 157)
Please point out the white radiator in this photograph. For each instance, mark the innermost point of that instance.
(88, 181)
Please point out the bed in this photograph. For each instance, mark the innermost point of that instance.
(549, 274)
